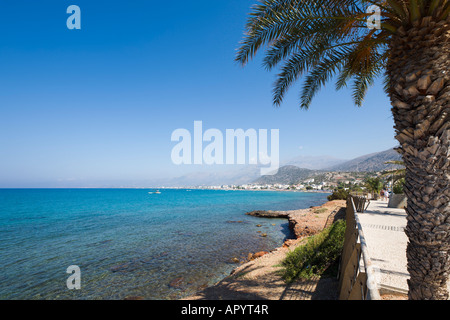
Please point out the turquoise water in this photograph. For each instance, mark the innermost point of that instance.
(128, 242)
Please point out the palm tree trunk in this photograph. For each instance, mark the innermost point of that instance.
(419, 89)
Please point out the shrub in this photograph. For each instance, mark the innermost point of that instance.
(317, 255)
(340, 194)
(320, 210)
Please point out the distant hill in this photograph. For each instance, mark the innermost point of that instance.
(314, 162)
(233, 176)
(370, 162)
(291, 174)
(287, 175)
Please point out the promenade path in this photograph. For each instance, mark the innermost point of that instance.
(383, 228)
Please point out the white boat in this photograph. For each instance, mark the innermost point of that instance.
(155, 192)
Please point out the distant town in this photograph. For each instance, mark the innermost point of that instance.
(322, 182)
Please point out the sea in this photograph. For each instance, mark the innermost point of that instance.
(133, 243)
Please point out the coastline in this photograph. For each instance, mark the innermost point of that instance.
(258, 278)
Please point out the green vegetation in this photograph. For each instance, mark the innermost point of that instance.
(339, 194)
(374, 185)
(398, 187)
(316, 256)
(321, 210)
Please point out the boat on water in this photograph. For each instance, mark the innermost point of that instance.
(155, 192)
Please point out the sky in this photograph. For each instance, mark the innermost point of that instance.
(97, 106)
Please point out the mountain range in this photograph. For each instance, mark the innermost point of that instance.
(315, 162)
(368, 163)
(291, 171)
(287, 175)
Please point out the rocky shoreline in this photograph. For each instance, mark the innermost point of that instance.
(305, 222)
(258, 277)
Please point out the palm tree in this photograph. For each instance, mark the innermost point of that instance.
(395, 174)
(329, 39)
(374, 185)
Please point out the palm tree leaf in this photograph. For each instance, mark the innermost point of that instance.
(322, 38)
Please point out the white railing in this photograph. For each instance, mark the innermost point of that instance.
(357, 281)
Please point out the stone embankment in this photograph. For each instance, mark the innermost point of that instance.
(307, 222)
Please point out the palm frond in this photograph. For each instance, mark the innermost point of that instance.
(323, 38)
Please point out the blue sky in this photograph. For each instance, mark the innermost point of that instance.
(99, 104)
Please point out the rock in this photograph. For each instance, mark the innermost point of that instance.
(289, 242)
(134, 298)
(120, 267)
(264, 235)
(235, 260)
(176, 283)
(259, 254)
(258, 225)
(268, 214)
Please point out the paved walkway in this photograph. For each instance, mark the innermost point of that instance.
(386, 240)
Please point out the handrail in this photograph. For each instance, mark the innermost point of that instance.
(372, 281)
(353, 282)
